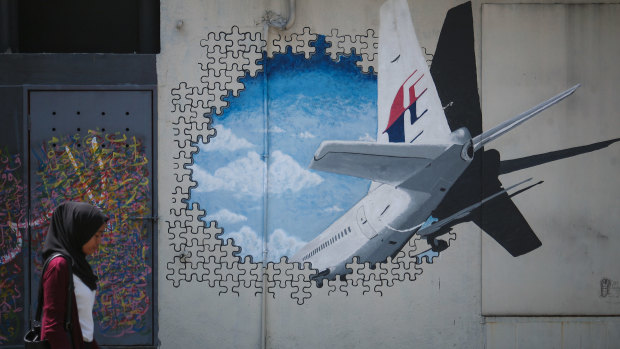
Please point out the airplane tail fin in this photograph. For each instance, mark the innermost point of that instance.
(487, 136)
(408, 107)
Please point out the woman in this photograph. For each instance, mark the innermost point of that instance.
(75, 232)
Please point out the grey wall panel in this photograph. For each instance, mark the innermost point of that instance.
(77, 69)
(552, 332)
(529, 53)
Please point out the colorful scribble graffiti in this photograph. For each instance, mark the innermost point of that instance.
(110, 170)
(12, 213)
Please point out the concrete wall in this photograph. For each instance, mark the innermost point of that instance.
(210, 297)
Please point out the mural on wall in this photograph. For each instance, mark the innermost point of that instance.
(229, 169)
(229, 259)
(12, 217)
(245, 199)
(109, 170)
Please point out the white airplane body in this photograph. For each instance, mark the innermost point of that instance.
(413, 164)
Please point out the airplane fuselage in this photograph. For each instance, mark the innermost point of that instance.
(388, 216)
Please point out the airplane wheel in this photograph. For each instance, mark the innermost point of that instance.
(438, 245)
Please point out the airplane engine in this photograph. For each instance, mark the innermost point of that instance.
(467, 153)
(462, 136)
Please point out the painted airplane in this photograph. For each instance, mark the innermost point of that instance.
(414, 163)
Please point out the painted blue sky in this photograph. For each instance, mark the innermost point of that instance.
(309, 100)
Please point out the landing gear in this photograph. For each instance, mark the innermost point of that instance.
(436, 244)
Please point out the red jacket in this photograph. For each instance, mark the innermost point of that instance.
(55, 285)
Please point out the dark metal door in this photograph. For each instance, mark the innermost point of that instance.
(96, 146)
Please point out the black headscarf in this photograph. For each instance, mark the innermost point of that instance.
(72, 225)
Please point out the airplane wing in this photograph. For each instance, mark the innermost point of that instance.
(409, 109)
(434, 227)
(500, 219)
(385, 163)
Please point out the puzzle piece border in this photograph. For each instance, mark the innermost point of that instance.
(192, 102)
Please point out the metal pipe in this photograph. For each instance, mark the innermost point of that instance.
(291, 15)
(279, 22)
(263, 329)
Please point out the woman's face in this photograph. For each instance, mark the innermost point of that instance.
(92, 245)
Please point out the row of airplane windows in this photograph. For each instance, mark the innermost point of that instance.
(333, 239)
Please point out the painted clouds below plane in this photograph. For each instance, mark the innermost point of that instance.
(279, 244)
(300, 90)
(240, 177)
(225, 141)
(224, 216)
(243, 177)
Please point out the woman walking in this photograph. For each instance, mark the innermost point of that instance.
(75, 231)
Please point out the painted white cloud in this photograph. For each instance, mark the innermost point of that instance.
(244, 176)
(279, 244)
(276, 129)
(367, 138)
(285, 174)
(333, 209)
(225, 140)
(226, 216)
(306, 135)
(251, 244)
